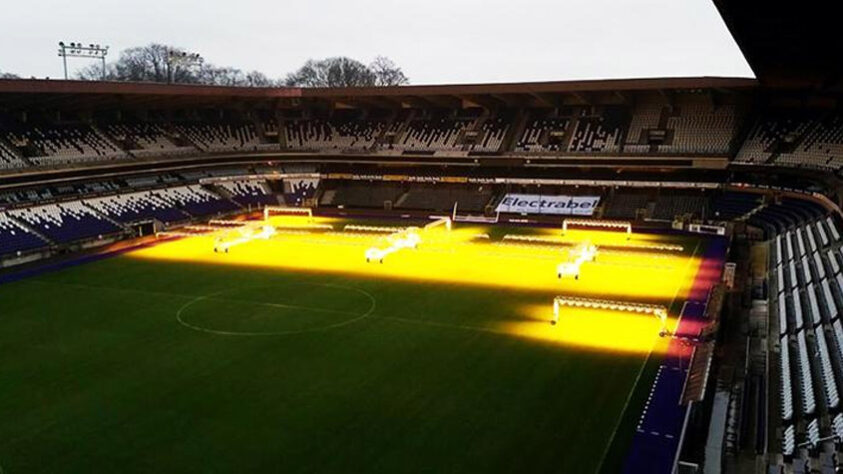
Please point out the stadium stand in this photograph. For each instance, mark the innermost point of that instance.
(601, 133)
(15, 238)
(52, 145)
(146, 139)
(679, 204)
(134, 207)
(698, 127)
(821, 146)
(626, 204)
(248, 192)
(432, 135)
(195, 200)
(223, 136)
(769, 134)
(364, 195)
(9, 159)
(66, 222)
(317, 134)
(443, 198)
(646, 116)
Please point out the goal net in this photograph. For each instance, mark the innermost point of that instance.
(269, 211)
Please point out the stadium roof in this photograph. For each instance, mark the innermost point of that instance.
(20, 93)
(788, 43)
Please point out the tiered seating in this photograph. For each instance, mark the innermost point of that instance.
(317, 134)
(65, 222)
(732, 205)
(672, 205)
(833, 228)
(146, 139)
(14, 238)
(822, 146)
(811, 337)
(625, 205)
(701, 128)
(432, 135)
(785, 387)
(595, 135)
(789, 442)
(443, 197)
(195, 200)
(64, 144)
(806, 386)
(491, 135)
(536, 134)
(8, 158)
(248, 192)
(218, 137)
(827, 371)
(644, 117)
(365, 194)
(135, 207)
(768, 134)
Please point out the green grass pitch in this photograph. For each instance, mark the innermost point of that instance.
(100, 371)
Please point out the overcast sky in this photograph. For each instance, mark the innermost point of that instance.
(435, 41)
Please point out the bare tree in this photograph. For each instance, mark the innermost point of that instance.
(387, 73)
(152, 63)
(8, 75)
(332, 72)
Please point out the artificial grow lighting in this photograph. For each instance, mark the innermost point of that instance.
(403, 239)
(658, 311)
(585, 252)
(247, 234)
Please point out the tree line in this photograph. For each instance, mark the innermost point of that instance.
(163, 63)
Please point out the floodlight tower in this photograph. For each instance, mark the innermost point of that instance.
(79, 50)
(181, 58)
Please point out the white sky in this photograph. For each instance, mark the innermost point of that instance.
(435, 41)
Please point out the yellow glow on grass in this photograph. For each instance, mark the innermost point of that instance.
(603, 330)
(445, 257)
(456, 258)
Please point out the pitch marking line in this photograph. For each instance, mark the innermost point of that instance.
(644, 363)
(357, 316)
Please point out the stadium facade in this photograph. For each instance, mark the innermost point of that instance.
(86, 167)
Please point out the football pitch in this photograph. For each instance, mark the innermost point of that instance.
(295, 355)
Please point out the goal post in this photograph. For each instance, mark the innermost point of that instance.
(624, 225)
(288, 211)
(659, 311)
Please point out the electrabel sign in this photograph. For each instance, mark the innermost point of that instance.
(558, 205)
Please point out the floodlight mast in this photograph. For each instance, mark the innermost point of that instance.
(181, 58)
(79, 50)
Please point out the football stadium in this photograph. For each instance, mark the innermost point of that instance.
(620, 275)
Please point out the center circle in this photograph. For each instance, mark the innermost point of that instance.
(277, 310)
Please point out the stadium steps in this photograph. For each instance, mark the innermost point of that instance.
(570, 131)
(119, 224)
(809, 130)
(105, 136)
(15, 152)
(752, 212)
(698, 373)
(400, 201)
(25, 225)
(221, 192)
(519, 123)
